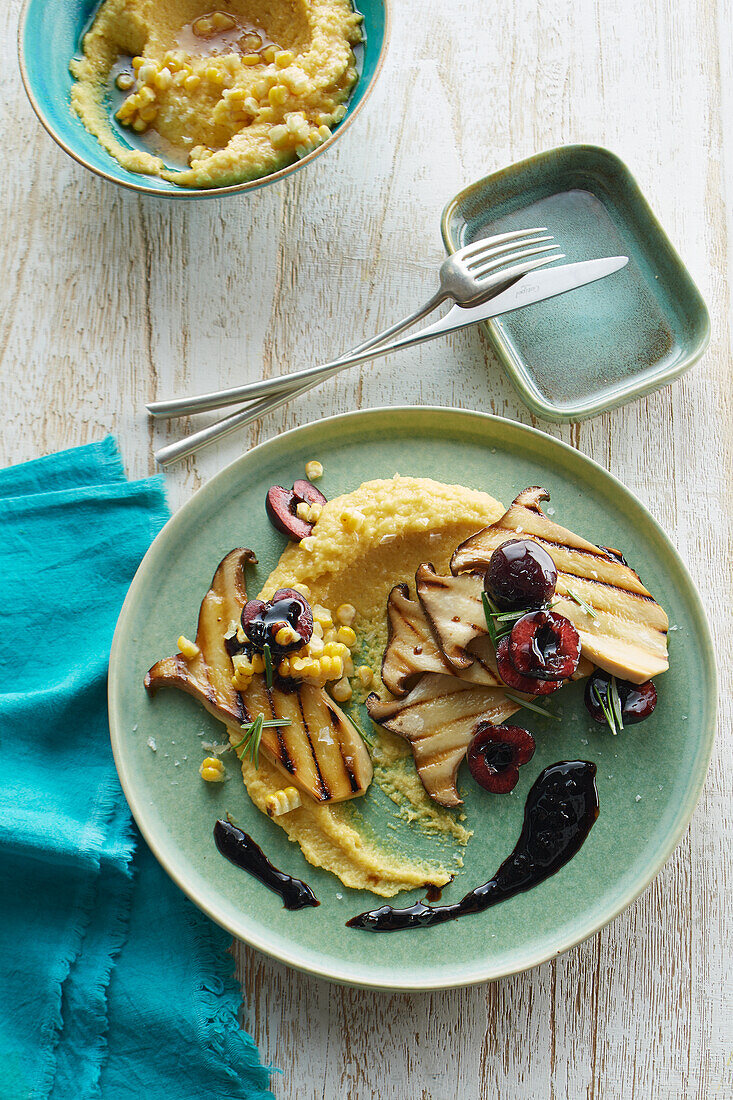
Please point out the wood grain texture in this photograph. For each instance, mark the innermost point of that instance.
(109, 299)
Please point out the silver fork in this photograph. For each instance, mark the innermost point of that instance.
(469, 277)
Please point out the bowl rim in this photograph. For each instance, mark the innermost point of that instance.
(193, 192)
(631, 391)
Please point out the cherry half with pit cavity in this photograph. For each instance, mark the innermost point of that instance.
(261, 621)
(546, 645)
(530, 685)
(495, 755)
(281, 506)
(637, 701)
(521, 575)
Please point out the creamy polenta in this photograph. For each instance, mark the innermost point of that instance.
(363, 544)
(225, 95)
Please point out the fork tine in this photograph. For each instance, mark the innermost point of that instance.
(497, 262)
(499, 238)
(498, 250)
(511, 274)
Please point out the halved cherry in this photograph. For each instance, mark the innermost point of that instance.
(637, 700)
(282, 508)
(306, 490)
(530, 685)
(545, 645)
(496, 753)
(520, 574)
(261, 621)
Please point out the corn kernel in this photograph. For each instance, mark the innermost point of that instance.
(283, 802)
(297, 664)
(324, 133)
(191, 82)
(258, 663)
(352, 519)
(251, 41)
(339, 113)
(322, 615)
(260, 89)
(137, 62)
(145, 97)
(270, 53)
(203, 26)
(284, 58)
(365, 675)
(348, 666)
(284, 667)
(346, 613)
(125, 81)
(277, 95)
(148, 114)
(252, 59)
(286, 635)
(346, 635)
(212, 770)
(313, 470)
(163, 79)
(317, 630)
(302, 511)
(315, 647)
(303, 589)
(222, 21)
(187, 648)
(330, 635)
(147, 72)
(341, 691)
(139, 125)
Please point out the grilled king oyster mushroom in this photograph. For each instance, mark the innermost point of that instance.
(454, 610)
(412, 649)
(628, 636)
(439, 719)
(320, 751)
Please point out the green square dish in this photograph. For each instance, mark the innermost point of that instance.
(607, 343)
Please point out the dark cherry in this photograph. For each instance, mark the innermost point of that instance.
(495, 755)
(530, 685)
(545, 645)
(521, 574)
(261, 621)
(282, 505)
(637, 700)
(306, 490)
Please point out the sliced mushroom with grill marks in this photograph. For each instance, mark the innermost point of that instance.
(628, 636)
(320, 751)
(454, 610)
(412, 649)
(438, 718)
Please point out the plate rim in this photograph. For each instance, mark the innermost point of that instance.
(356, 975)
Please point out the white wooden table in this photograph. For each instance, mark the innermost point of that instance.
(108, 300)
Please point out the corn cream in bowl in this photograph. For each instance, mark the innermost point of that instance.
(185, 98)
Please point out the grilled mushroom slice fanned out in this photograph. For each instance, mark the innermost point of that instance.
(454, 610)
(320, 751)
(439, 718)
(412, 649)
(626, 634)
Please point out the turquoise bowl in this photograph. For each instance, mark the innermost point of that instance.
(50, 34)
(601, 345)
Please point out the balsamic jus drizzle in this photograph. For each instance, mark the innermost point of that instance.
(560, 811)
(239, 848)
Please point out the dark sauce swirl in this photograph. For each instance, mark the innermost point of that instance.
(239, 848)
(560, 811)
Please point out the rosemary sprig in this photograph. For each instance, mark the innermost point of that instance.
(494, 615)
(250, 743)
(531, 706)
(611, 706)
(581, 603)
(267, 654)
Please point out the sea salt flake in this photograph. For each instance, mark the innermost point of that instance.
(550, 511)
(134, 728)
(638, 798)
(151, 744)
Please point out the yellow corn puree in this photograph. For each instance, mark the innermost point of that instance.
(363, 544)
(229, 95)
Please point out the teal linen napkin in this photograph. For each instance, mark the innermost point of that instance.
(112, 985)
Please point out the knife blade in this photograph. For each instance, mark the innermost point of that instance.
(537, 286)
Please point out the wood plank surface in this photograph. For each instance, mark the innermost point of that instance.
(108, 299)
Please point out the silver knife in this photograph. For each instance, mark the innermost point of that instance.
(537, 286)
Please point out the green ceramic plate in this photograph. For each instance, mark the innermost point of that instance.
(649, 778)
